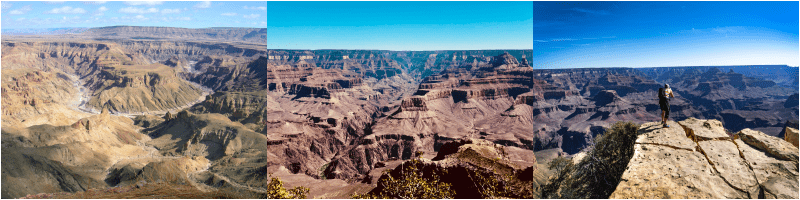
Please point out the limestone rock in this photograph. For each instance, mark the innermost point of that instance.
(772, 145)
(790, 135)
(779, 177)
(698, 160)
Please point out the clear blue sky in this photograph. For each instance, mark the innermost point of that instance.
(400, 25)
(186, 14)
(649, 34)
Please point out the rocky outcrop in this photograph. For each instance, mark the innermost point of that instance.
(466, 164)
(790, 135)
(698, 159)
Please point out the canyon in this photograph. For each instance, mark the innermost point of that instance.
(217, 110)
(351, 114)
(134, 106)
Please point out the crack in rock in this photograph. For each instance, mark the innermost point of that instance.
(665, 145)
(697, 139)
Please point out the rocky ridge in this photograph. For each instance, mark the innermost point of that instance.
(222, 34)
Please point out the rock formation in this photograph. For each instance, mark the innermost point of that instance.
(463, 162)
(697, 159)
(463, 102)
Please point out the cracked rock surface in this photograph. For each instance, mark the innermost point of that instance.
(696, 158)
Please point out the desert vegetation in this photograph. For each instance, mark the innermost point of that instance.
(595, 176)
(275, 190)
(410, 185)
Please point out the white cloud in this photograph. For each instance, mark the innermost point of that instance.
(170, 11)
(66, 10)
(255, 8)
(54, 2)
(94, 2)
(203, 5)
(145, 3)
(20, 11)
(100, 11)
(263, 23)
(20, 19)
(228, 14)
(140, 17)
(251, 16)
(135, 10)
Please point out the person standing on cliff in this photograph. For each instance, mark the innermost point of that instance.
(664, 94)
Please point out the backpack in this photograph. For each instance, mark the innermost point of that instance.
(661, 94)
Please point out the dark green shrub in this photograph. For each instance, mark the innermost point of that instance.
(598, 175)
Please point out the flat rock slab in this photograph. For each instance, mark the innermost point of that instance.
(674, 136)
(776, 147)
(659, 172)
(778, 177)
(726, 159)
(704, 129)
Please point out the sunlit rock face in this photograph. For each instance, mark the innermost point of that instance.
(698, 159)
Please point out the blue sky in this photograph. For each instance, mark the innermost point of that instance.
(400, 25)
(186, 14)
(650, 34)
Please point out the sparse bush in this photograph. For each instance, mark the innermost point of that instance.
(491, 187)
(598, 175)
(410, 185)
(558, 164)
(275, 190)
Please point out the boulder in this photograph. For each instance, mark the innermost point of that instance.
(776, 147)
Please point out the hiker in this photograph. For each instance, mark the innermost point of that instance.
(663, 100)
